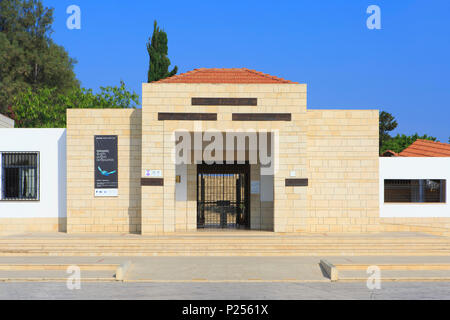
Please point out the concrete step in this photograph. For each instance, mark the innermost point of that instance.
(228, 239)
(215, 242)
(226, 248)
(212, 252)
(245, 251)
(55, 275)
(222, 244)
(218, 243)
(445, 241)
(95, 250)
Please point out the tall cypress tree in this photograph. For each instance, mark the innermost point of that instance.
(157, 50)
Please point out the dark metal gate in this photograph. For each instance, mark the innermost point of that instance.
(223, 196)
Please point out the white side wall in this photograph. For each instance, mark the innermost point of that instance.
(51, 144)
(6, 122)
(414, 168)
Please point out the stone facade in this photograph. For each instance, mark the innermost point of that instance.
(437, 226)
(336, 150)
(86, 213)
(326, 177)
(19, 225)
(6, 122)
(343, 171)
(158, 203)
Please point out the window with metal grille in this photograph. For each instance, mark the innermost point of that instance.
(19, 176)
(419, 190)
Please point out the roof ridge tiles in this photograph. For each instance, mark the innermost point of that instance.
(224, 75)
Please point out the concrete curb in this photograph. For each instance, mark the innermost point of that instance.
(56, 266)
(399, 279)
(55, 279)
(122, 270)
(397, 266)
(226, 281)
(330, 269)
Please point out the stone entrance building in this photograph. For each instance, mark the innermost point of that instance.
(322, 175)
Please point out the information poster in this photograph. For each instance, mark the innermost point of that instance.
(106, 169)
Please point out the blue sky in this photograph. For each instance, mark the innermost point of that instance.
(403, 68)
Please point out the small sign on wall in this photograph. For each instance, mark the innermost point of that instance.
(153, 173)
(106, 192)
(254, 187)
(105, 166)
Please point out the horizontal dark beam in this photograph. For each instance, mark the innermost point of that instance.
(262, 117)
(187, 116)
(152, 181)
(296, 183)
(224, 101)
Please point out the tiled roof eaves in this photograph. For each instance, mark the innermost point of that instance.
(426, 148)
(215, 75)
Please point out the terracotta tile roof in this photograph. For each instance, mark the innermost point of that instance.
(389, 153)
(426, 148)
(216, 75)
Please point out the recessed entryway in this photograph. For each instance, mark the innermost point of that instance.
(223, 200)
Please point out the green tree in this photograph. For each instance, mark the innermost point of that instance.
(401, 142)
(158, 50)
(387, 124)
(29, 59)
(46, 108)
(115, 97)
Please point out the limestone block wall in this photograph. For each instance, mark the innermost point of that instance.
(158, 202)
(255, 199)
(86, 213)
(19, 225)
(186, 202)
(430, 225)
(6, 122)
(343, 194)
(261, 204)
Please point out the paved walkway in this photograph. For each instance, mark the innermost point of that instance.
(304, 269)
(216, 233)
(225, 291)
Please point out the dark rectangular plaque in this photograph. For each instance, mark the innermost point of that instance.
(296, 183)
(262, 117)
(152, 181)
(224, 101)
(187, 116)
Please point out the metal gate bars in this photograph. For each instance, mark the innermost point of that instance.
(223, 196)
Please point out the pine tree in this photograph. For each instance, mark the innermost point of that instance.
(387, 123)
(157, 50)
(28, 56)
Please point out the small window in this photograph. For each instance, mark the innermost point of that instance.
(19, 176)
(424, 190)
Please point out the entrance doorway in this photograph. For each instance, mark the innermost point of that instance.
(223, 200)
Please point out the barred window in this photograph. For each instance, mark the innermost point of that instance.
(19, 176)
(419, 190)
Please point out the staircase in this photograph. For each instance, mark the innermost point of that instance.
(225, 244)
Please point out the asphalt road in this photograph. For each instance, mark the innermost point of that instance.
(226, 291)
